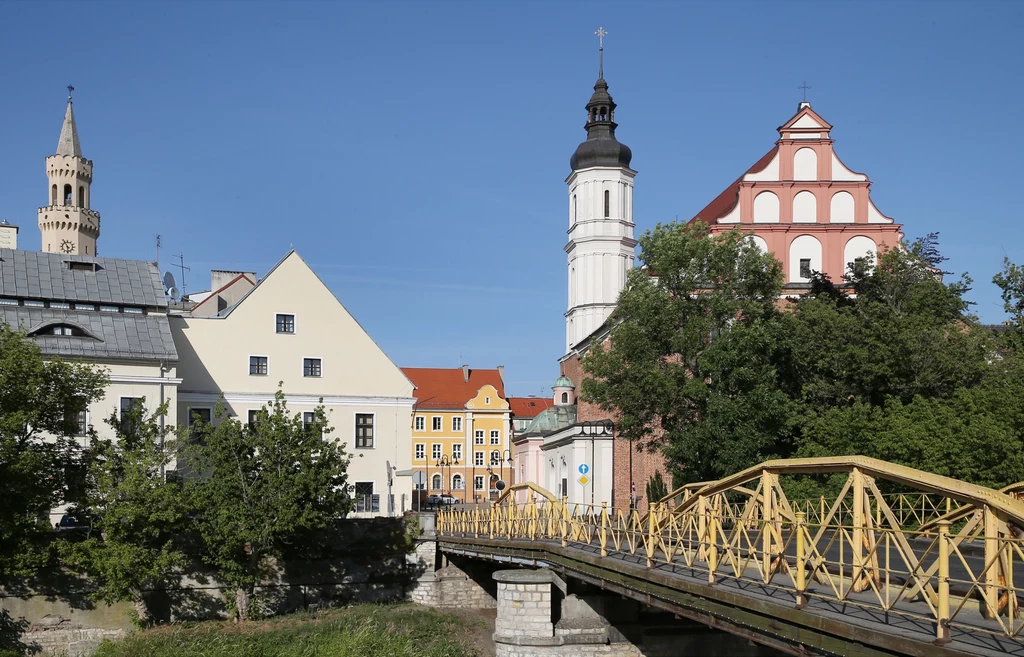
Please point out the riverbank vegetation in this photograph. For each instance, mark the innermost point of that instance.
(400, 630)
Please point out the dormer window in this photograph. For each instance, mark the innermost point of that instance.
(75, 265)
(59, 329)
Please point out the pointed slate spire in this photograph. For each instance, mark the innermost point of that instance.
(68, 143)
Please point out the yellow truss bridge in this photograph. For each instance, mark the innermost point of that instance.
(900, 561)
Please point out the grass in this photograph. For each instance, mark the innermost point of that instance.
(394, 630)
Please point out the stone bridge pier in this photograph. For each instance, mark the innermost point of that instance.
(540, 616)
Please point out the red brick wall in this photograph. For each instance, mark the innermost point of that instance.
(644, 464)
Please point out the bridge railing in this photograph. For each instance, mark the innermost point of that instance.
(943, 556)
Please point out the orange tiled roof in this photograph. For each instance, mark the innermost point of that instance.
(526, 407)
(447, 388)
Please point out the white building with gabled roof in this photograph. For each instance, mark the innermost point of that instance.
(289, 330)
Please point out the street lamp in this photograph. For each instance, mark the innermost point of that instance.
(506, 456)
(446, 462)
(600, 429)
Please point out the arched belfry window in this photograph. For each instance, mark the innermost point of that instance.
(67, 194)
(607, 204)
(565, 398)
(81, 197)
(574, 207)
(53, 195)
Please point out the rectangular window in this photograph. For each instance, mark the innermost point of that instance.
(456, 452)
(421, 423)
(495, 437)
(366, 500)
(311, 367)
(285, 323)
(478, 482)
(435, 451)
(254, 417)
(308, 418)
(421, 451)
(805, 267)
(364, 431)
(61, 330)
(478, 437)
(495, 457)
(196, 415)
(131, 409)
(79, 423)
(456, 423)
(435, 423)
(478, 458)
(258, 366)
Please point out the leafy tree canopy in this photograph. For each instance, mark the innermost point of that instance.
(40, 466)
(137, 515)
(260, 488)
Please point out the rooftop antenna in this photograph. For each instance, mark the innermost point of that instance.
(183, 268)
(158, 252)
(601, 34)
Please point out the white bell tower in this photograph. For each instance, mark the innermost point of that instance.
(68, 224)
(601, 246)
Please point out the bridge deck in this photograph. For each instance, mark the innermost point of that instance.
(905, 629)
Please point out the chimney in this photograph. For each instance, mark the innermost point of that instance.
(465, 373)
(8, 235)
(501, 373)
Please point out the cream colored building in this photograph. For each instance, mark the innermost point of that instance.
(290, 330)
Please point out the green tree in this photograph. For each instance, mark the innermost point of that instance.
(656, 488)
(134, 545)
(690, 367)
(40, 465)
(261, 488)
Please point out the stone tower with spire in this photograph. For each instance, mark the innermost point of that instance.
(68, 224)
(601, 245)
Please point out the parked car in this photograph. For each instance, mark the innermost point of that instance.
(79, 523)
(441, 500)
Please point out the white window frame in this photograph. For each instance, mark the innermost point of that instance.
(495, 457)
(440, 478)
(495, 436)
(308, 376)
(420, 423)
(479, 438)
(420, 452)
(487, 401)
(355, 430)
(462, 480)
(295, 323)
(456, 423)
(84, 430)
(438, 421)
(436, 451)
(479, 482)
(456, 447)
(479, 459)
(248, 364)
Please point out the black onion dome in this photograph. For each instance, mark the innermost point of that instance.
(601, 149)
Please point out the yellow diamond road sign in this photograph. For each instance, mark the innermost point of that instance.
(584, 480)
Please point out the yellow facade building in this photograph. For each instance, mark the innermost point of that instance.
(460, 432)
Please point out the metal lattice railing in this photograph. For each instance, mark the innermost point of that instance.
(944, 554)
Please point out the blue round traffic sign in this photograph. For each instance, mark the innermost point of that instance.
(584, 468)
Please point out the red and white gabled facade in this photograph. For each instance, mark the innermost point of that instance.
(804, 205)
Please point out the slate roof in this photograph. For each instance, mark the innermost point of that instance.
(38, 275)
(116, 336)
(33, 275)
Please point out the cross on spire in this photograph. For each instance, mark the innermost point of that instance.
(70, 90)
(805, 87)
(601, 34)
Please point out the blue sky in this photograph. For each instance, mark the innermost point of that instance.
(414, 153)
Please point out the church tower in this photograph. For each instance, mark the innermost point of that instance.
(601, 245)
(67, 224)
